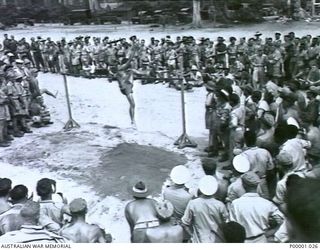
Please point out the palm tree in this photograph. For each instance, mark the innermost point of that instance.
(196, 20)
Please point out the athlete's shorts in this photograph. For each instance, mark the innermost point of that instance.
(127, 88)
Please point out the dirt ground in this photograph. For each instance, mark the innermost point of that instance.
(101, 160)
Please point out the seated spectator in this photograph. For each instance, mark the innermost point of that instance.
(5, 187)
(51, 212)
(78, 230)
(31, 232)
(11, 219)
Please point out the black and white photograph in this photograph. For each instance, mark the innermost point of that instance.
(159, 121)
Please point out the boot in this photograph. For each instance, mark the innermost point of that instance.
(224, 157)
(4, 144)
(27, 130)
(8, 138)
(18, 134)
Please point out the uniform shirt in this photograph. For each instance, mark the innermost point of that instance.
(253, 213)
(4, 205)
(205, 215)
(237, 116)
(51, 215)
(296, 148)
(11, 219)
(235, 190)
(179, 197)
(31, 234)
(260, 160)
(281, 188)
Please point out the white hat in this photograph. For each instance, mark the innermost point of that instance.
(180, 175)
(208, 185)
(19, 61)
(264, 106)
(241, 163)
(194, 67)
(292, 121)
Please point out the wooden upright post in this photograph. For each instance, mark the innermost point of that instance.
(71, 123)
(184, 140)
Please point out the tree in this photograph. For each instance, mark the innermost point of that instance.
(196, 20)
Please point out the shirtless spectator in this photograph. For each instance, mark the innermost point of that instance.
(78, 230)
(167, 232)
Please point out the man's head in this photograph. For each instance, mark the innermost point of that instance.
(233, 232)
(180, 175)
(284, 162)
(78, 207)
(250, 181)
(164, 210)
(250, 138)
(140, 190)
(208, 185)
(45, 187)
(30, 212)
(234, 100)
(5, 186)
(241, 164)
(303, 199)
(19, 194)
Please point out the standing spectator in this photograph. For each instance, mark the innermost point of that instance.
(177, 194)
(221, 51)
(205, 214)
(241, 165)
(254, 212)
(211, 119)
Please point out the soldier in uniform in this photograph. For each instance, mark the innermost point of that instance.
(31, 232)
(205, 214)
(221, 51)
(211, 118)
(16, 94)
(51, 212)
(232, 50)
(177, 194)
(223, 119)
(11, 220)
(4, 116)
(36, 51)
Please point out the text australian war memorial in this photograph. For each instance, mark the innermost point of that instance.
(189, 121)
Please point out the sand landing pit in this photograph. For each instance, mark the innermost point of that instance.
(129, 162)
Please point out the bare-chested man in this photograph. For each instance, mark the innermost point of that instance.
(125, 77)
(78, 230)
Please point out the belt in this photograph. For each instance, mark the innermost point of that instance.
(147, 224)
(254, 237)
